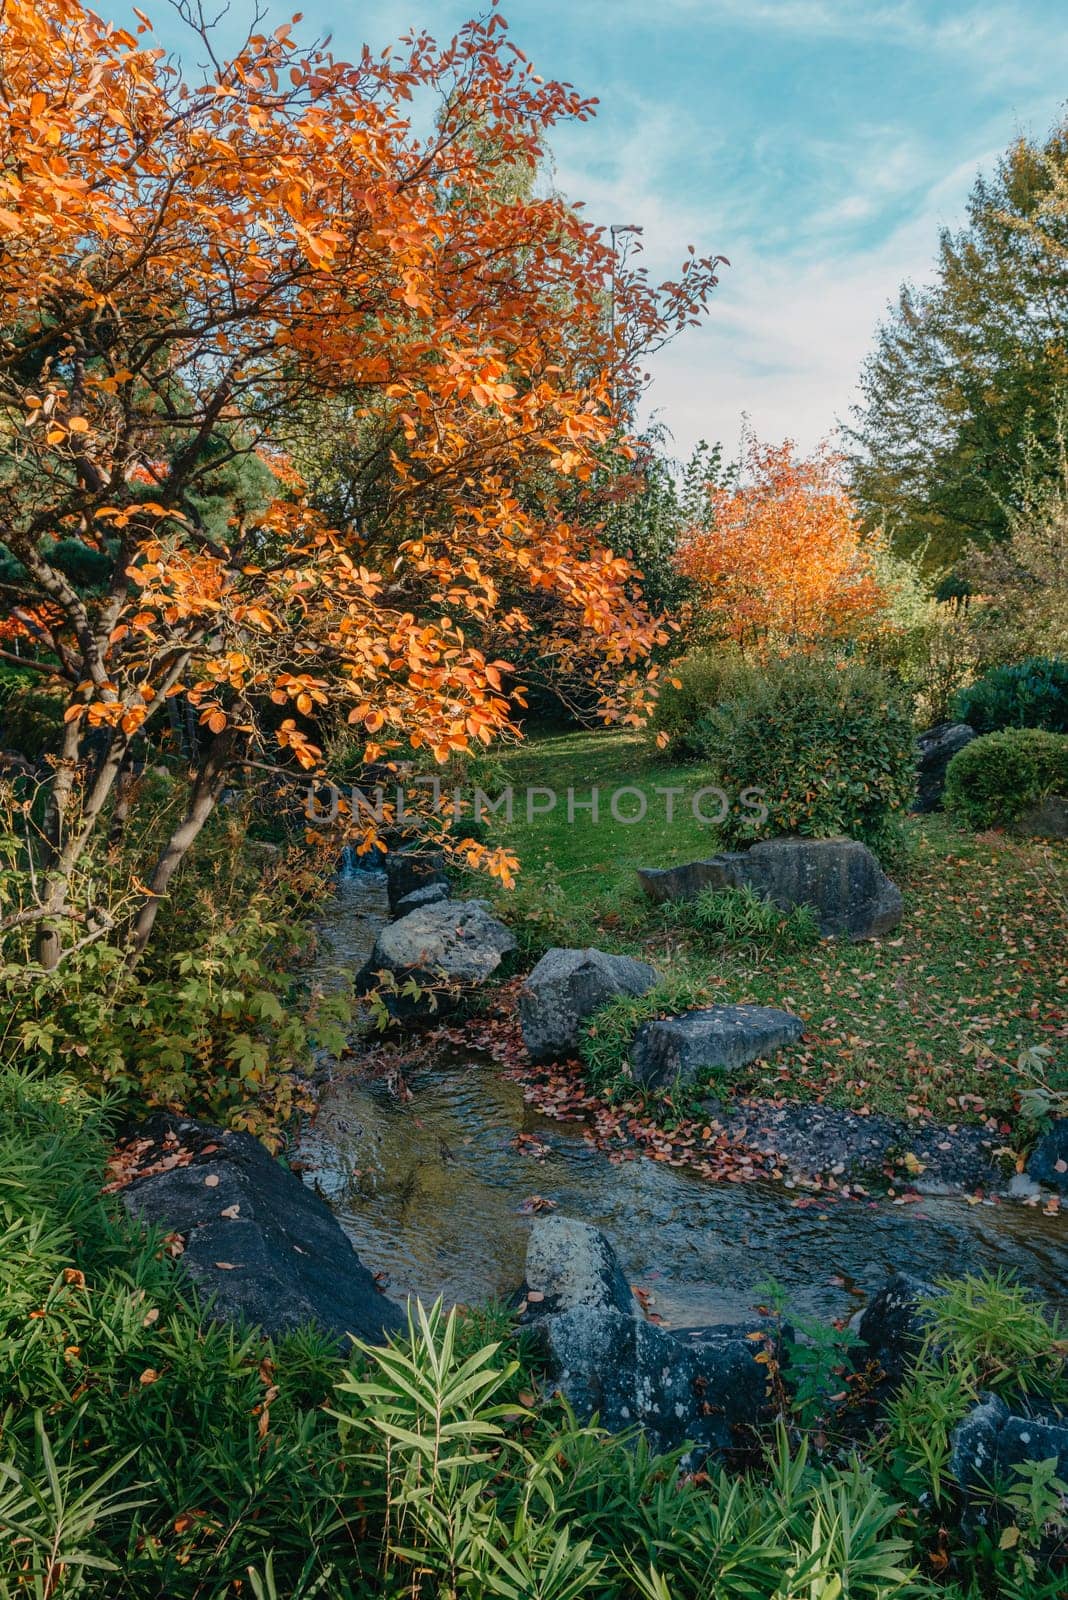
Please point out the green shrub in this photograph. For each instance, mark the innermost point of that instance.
(829, 744)
(692, 686)
(213, 1018)
(993, 780)
(1030, 694)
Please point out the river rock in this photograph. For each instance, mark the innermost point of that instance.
(891, 1326)
(410, 867)
(570, 1264)
(973, 1443)
(1048, 1163)
(632, 1374)
(265, 1249)
(610, 1363)
(428, 895)
(565, 988)
(935, 749)
(839, 878)
(1025, 1439)
(444, 946)
(992, 1441)
(724, 1037)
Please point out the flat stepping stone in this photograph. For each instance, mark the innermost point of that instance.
(723, 1037)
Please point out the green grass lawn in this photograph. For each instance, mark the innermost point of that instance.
(928, 1020)
(594, 859)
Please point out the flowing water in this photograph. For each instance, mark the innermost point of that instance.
(431, 1192)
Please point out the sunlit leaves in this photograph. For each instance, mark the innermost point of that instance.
(780, 556)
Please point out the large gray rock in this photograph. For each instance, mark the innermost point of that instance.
(610, 1363)
(1048, 1163)
(973, 1443)
(935, 749)
(265, 1249)
(632, 1374)
(991, 1442)
(839, 878)
(571, 1265)
(565, 988)
(891, 1327)
(723, 1037)
(454, 942)
(1046, 819)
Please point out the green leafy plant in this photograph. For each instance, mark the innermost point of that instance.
(1027, 694)
(829, 745)
(693, 686)
(741, 916)
(214, 1018)
(981, 1334)
(431, 1425)
(996, 778)
(1041, 1086)
(607, 1035)
(814, 1361)
(53, 1510)
(795, 1534)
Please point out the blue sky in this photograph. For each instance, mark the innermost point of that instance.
(819, 144)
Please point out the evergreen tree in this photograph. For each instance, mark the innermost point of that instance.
(969, 369)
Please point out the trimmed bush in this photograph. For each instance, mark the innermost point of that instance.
(693, 686)
(830, 744)
(1030, 694)
(997, 777)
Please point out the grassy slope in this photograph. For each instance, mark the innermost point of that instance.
(927, 1018)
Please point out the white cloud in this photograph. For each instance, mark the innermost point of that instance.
(786, 337)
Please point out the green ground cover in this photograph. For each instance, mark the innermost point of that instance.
(931, 1019)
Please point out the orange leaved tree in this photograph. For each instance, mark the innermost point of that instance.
(779, 558)
(187, 270)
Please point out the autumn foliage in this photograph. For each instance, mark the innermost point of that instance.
(779, 559)
(188, 273)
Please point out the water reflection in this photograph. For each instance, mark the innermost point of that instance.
(430, 1193)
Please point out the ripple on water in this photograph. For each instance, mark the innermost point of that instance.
(430, 1193)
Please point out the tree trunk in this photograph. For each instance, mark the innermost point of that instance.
(208, 786)
(65, 844)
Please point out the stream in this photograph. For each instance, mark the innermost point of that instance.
(431, 1193)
